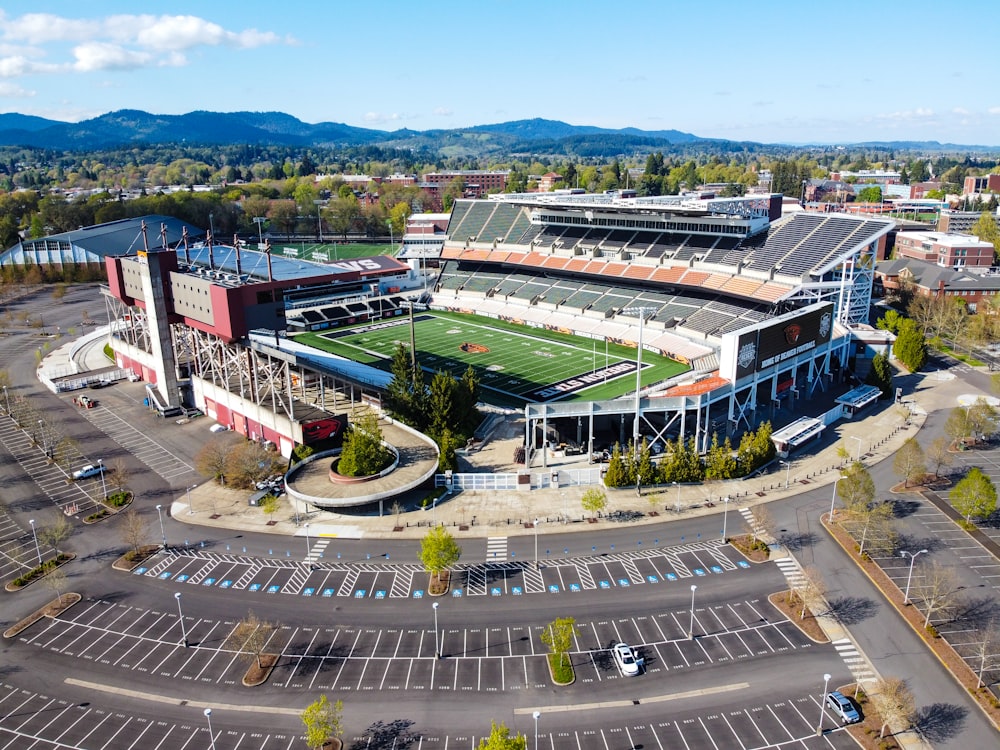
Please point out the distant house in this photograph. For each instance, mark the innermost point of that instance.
(933, 280)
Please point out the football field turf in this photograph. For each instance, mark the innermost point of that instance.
(517, 363)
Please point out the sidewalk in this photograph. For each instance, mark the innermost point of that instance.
(477, 514)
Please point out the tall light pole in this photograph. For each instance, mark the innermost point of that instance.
(691, 626)
(437, 642)
(822, 705)
(319, 220)
(725, 517)
(788, 471)
(163, 534)
(104, 486)
(535, 715)
(536, 542)
(641, 312)
(41, 432)
(833, 499)
(677, 505)
(307, 539)
(259, 221)
(913, 556)
(859, 446)
(211, 736)
(190, 507)
(392, 237)
(180, 615)
(34, 535)
(6, 398)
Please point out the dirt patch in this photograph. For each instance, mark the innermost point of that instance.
(132, 559)
(791, 607)
(866, 731)
(753, 550)
(257, 674)
(53, 609)
(440, 583)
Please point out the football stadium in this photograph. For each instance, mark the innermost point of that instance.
(600, 317)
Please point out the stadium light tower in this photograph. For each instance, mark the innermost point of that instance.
(641, 312)
(319, 220)
(259, 221)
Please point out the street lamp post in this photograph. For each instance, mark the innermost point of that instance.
(180, 615)
(535, 715)
(319, 220)
(536, 543)
(163, 534)
(190, 507)
(34, 536)
(913, 556)
(307, 539)
(822, 705)
(641, 312)
(259, 221)
(6, 398)
(211, 737)
(437, 642)
(788, 471)
(859, 446)
(691, 626)
(677, 504)
(104, 486)
(833, 499)
(41, 433)
(725, 517)
(392, 237)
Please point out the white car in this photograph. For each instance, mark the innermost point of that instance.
(90, 470)
(626, 660)
(219, 428)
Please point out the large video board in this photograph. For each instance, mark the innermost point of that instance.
(775, 341)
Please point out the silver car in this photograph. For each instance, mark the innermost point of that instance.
(842, 708)
(626, 660)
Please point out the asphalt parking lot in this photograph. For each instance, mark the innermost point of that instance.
(17, 548)
(29, 719)
(361, 659)
(325, 576)
(987, 458)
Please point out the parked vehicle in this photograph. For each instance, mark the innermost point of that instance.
(90, 470)
(842, 708)
(625, 659)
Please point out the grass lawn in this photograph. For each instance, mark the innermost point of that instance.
(516, 363)
(332, 251)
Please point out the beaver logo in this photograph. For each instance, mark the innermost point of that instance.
(470, 348)
(792, 333)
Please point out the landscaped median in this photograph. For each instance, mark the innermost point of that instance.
(944, 652)
(39, 571)
(52, 609)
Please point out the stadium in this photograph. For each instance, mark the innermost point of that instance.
(601, 317)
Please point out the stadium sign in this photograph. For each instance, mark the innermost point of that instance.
(772, 342)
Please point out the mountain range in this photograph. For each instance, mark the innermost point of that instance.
(536, 136)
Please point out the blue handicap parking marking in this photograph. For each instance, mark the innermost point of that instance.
(208, 582)
(605, 585)
(255, 587)
(380, 594)
(308, 591)
(699, 572)
(624, 582)
(743, 563)
(553, 588)
(139, 571)
(327, 592)
(516, 590)
(456, 592)
(574, 587)
(181, 578)
(360, 593)
(225, 584)
(652, 579)
(671, 576)
(418, 594)
(274, 589)
(495, 591)
(165, 575)
(715, 569)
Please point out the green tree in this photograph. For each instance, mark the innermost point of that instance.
(558, 636)
(909, 463)
(870, 194)
(910, 348)
(890, 321)
(957, 425)
(986, 229)
(406, 395)
(616, 474)
(439, 550)
(323, 721)
(447, 451)
(363, 452)
(343, 213)
(720, 462)
(982, 418)
(881, 375)
(856, 488)
(594, 501)
(440, 403)
(284, 214)
(974, 495)
(501, 739)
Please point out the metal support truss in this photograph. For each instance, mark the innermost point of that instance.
(128, 323)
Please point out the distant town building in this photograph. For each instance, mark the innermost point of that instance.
(945, 249)
(869, 176)
(932, 280)
(958, 221)
(987, 183)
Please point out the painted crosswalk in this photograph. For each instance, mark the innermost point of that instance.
(860, 668)
(496, 549)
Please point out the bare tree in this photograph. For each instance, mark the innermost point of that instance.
(55, 580)
(56, 533)
(938, 455)
(936, 587)
(118, 474)
(909, 463)
(64, 453)
(250, 638)
(811, 591)
(397, 510)
(872, 528)
(213, 459)
(761, 522)
(134, 529)
(987, 648)
(893, 702)
(248, 463)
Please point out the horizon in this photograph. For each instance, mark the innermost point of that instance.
(743, 76)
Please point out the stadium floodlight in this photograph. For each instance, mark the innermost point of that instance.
(641, 312)
(259, 221)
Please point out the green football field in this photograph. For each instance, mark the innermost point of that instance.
(330, 252)
(516, 363)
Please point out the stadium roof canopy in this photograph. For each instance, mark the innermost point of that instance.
(93, 244)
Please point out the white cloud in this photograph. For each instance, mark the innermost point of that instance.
(994, 110)
(960, 111)
(13, 91)
(104, 56)
(377, 117)
(443, 112)
(907, 115)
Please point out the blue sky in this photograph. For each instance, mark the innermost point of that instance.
(767, 71)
